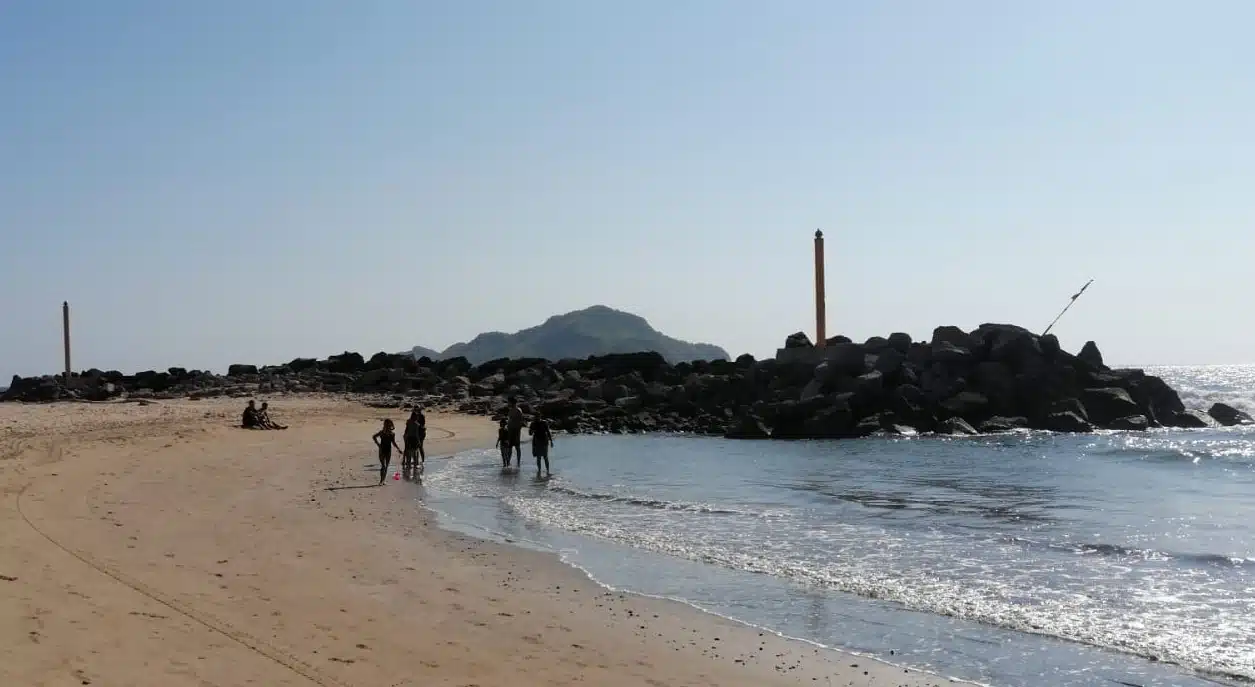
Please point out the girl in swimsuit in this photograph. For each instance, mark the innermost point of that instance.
(385, 439)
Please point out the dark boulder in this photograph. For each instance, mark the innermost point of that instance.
(889, 362)
(1069, 405)
(1108, 404)
(1187, 419)
(347, 363)
(798, 340)
(788, 418)
(969, 405)
(957, 426)
(1067, 421)
(875, 344)
(1049, 345)
(1132, 423)
(847, 358)
(950, 354)
(1228, 416)
(834, 421)
(650, 366)
(452, 368)
(999, 424)
(997, 382)
(239, 370)
(951, 335)
(872, 424)
(1013, 346)
(1090, 355)
(748, 427)
(302, 364)
(900, 342)
(1156, 398)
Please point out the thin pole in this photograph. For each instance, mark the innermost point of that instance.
(821, 336)
(65, 326)
(1069, 305)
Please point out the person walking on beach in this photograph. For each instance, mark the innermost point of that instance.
(408, 454)
(542, 441)
(422, 435)
(385, 439)
(503, 443)
(514, 422)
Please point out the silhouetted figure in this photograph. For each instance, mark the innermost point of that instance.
(408, 455)
(422, 436)
(542, 441)
(503, 443)
(385, 439)
(514, 423)
(263, 418)
(250, 420)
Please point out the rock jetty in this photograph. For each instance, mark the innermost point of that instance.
(996, 378)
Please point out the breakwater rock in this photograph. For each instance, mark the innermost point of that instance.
(993, 379)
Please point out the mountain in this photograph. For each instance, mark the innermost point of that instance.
(424, 352)
(592, 331)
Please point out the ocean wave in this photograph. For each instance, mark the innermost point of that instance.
(1201, 386)
(1118, 551)
(1086, 615)
(658, 504)
(1229, 445)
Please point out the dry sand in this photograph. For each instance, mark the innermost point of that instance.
(157, 545)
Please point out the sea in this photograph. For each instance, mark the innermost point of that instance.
(1030, 558)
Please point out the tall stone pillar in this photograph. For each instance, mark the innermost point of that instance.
(821, 334)
(65, 329)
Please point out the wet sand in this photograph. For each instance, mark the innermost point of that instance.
(158, 545)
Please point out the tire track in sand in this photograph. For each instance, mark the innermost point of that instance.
(259, 646)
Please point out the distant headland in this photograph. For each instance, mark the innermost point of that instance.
(996, 378)
(597, 330)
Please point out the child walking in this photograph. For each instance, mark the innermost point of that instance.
(385, 439)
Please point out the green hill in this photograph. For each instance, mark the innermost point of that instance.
(592, 331)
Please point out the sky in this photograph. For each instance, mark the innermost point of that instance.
(238, 181)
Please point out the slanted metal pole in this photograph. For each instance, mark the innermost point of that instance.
(821, 335)
(65, 326)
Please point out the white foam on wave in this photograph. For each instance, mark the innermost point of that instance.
(1172, 614)
(1108, 604)
(1202, 385)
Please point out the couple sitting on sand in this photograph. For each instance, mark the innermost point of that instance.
(259, 418)
(413, 456)
(510, 437)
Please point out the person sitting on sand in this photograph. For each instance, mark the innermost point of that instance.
(263, 418)
(385, 439)
(514, 422)
(542, 441)
(503, 443)
(249, 421)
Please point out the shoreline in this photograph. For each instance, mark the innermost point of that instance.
(688, 606)
(677, 603)
(222, 555)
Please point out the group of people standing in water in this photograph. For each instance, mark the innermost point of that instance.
(413, 456)
(509, 440)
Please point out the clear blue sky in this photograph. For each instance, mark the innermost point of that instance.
(228, 181)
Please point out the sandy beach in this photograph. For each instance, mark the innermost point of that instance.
(158, 545)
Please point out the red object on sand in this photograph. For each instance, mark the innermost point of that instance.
(396, 475)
